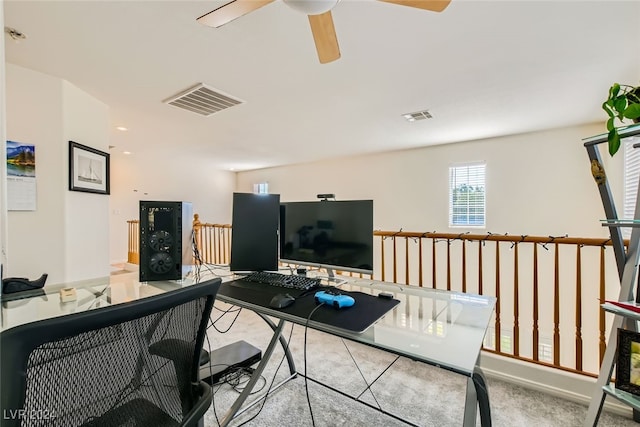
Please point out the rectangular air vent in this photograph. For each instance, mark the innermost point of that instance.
(418, 115)
(203, 100)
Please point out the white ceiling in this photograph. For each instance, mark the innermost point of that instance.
(482, 68)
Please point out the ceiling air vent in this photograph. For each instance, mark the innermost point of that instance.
(418, 115)
(203, 100)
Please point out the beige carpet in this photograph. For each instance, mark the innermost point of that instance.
(425, 395)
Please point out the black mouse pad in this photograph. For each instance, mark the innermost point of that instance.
(357, 318)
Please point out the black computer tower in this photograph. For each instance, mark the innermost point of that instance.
(165, 240)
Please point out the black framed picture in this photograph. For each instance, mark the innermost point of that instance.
(88, 169)
(628, 363)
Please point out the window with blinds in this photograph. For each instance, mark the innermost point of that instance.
(261, 188)
(467, 201)
(631, 175)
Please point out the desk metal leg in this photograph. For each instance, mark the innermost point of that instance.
(283, 343)
(255, 377)
(483, 397)
(470, 405)
(477, 396)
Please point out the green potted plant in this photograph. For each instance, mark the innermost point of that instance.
(623, 103)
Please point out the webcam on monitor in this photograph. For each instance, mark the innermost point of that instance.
(325, 197)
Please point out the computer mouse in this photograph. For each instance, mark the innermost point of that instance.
(282, 301)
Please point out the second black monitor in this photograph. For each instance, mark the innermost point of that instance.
(254, 233)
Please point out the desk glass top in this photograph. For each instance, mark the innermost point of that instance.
(437, 327)
(30, 306)
(434, 326)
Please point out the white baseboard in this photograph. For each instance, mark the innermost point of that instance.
(574, 387)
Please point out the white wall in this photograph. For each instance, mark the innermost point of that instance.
(537, 183)
(34, 116)
(73, 235)
(196, 181)
(55, 238)
(3, 148)
(86, 238)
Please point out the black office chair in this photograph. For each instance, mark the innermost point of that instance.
(133, 364)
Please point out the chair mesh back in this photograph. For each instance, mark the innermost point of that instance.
(138, 370)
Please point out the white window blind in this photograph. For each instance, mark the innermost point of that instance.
(631, 175)
(467, 198)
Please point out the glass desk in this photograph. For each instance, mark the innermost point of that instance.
(30, 306)
(439, 328)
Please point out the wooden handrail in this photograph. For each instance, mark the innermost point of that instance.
(498, 237)
(133, 241)
(213, 241)
(512, 306)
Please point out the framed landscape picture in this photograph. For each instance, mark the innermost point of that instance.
(628, 363)
(88, 169)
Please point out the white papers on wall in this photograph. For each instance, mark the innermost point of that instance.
(21, 176)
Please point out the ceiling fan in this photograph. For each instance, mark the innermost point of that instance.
(319, 13)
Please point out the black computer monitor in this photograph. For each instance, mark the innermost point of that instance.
(254, 232)
(328, 234)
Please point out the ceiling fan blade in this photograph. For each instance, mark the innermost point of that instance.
(324, 35)
(432, 5)
(230, 11)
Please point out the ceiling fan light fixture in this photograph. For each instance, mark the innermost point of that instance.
(311, 7)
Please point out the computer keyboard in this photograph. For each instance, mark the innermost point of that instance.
(302, 283)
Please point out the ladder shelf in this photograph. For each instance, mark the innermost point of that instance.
(627, 262)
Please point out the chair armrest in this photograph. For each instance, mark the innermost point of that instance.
(180, 352)
(205, 397)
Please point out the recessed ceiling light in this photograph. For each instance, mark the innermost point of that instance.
(126, 152)
(122, 128)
